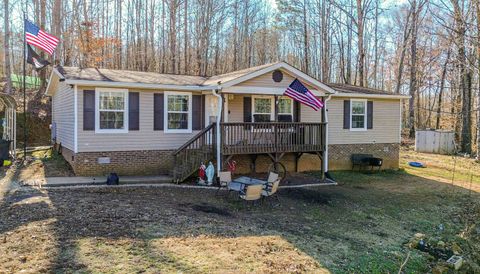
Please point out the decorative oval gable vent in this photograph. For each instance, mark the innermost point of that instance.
(277, 76)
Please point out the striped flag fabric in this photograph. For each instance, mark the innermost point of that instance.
(298, 92)
(39, 38)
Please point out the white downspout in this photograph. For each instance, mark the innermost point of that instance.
(217, 129)
(325, 162)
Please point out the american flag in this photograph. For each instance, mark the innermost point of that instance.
(39, 38)
(298, 92)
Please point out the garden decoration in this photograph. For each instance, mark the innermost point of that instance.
(210, 172)
(201, 174)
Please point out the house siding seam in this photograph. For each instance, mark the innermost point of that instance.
(62, 116)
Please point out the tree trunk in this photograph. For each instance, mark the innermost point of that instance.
(6, 47)
(413, 69)
(185, 47)
(477, 7)
(305, 37)
(361, 50)
(442, 86)
(406, 35)
(465, 78)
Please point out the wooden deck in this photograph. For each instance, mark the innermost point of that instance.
(272, 138)
(261, 138)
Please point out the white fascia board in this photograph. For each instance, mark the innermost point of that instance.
(280, 65)
(51, 79)
(373, 96)
(260, 91)
(137, 85)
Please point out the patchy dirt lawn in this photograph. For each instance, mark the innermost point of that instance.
(362, 225)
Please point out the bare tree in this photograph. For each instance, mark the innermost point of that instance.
(6, 45)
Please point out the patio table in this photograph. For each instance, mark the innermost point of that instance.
(239, 184)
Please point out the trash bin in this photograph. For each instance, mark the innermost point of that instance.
(4, 149)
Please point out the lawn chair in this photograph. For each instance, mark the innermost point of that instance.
(252, 193)
(270, 190)
(225, 177)
(272, 177)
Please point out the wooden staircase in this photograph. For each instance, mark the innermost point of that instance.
(199, 149)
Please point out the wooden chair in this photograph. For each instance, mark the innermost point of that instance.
(271, 189)
(225, 177)
(252, 193)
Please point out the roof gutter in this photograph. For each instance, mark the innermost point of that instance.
(363, 95)
(137, 85)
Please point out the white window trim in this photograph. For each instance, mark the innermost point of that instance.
(165, 112)
(272, 106)
(364, 101)
(97, 111)
(291, 106)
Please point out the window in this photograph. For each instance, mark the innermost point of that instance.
(285, 109)
(262, 109)
(358, 115)
(178, 107)
(112, 114)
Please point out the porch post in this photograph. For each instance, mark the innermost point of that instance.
(217, 128)
(276, 107)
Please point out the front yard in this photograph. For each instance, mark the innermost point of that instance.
(362, 225)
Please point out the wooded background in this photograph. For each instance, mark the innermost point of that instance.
(427, 49)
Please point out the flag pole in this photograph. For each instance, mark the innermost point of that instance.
(24, 93)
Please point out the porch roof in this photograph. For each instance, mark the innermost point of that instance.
(345, 90)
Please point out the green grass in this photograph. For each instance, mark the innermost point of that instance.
(30, 81)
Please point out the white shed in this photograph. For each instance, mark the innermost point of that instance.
(435, 141)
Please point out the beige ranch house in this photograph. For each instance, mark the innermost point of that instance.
(144, 123)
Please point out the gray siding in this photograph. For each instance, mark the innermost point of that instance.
(144, 139)
(63, 116)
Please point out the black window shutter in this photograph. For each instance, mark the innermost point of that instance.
(158, 111)
(89, 110)
(197, 112)
(296, 111)
(247, 109)
(346, 114)
(369, 114)
(133, 111)
(203, 112)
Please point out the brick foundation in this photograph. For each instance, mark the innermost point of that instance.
(340, 155)
(140, 162)
(339, 158)
(155, 162)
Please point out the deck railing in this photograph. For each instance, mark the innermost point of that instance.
(189, 156)
(272, 137)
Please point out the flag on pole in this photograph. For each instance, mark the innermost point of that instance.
(298, 92)
(34, 59)
(39, 38)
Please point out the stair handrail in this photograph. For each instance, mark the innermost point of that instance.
(194, 138)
